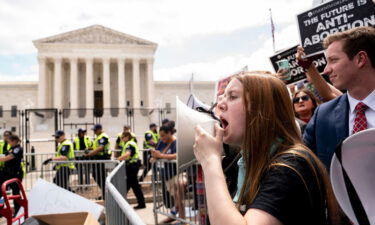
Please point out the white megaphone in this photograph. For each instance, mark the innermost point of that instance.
(187, 119)
(353, 177)
(194, 103)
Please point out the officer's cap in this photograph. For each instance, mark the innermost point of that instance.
(97, 127)
(58, 133)
(80, 131)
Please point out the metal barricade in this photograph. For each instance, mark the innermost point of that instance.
(118, 210)
(179, 195)
(84, 177)
(34, 168)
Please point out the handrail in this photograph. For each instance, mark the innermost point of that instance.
(126, 209)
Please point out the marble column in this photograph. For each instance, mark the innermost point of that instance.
(73, 83)
(42, 85)
(150, 82)
(89, 83)
(57, 90)
(121, 83)
(106, 84)
(136, 86)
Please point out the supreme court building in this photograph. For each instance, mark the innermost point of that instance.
(97, 68)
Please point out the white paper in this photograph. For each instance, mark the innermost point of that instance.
(358, 159)
(48, 198)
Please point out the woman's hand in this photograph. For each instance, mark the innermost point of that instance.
(302, 61)
(300, 53)
(282, 74)
(155, 154)
(207, 147)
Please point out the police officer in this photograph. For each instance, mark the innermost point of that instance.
(64, 152)
(119, 143)
(150, 142)
(130, 153)
(12, 160)
(101, 151)
(83, 143)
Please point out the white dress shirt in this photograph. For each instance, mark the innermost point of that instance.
(370, 112)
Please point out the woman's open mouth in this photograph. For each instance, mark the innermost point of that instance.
(224, 123)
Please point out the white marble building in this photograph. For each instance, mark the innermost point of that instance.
(97, 67)
(94, 68)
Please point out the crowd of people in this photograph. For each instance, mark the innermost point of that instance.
(283, 176)
(278, 144)
(98, 149)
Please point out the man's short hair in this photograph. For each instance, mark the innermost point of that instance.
(153, 125)
(14, 137)
(126, 134)
(355, 40)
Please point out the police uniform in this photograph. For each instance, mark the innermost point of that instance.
(98, 172)
(13, 169)
(4, 148)
(132, 168)
(84, 143)
(61, 178)
(149, 136)
(121, 143)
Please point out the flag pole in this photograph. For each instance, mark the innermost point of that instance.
(191, 83)
(273, 31)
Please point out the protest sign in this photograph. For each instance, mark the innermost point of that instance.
(296, 72)
(332, 17)
(221, 85)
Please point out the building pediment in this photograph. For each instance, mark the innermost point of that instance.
(95, 34)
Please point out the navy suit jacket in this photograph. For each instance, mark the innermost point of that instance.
(327, 128)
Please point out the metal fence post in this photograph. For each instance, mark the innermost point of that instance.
(33, 158)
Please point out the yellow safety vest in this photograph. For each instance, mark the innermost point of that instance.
(70, 155)
(157, 136)
(107, 147)
(122, 143)
(86, 139)
(3, 152)
(154, 138)
(133, 158)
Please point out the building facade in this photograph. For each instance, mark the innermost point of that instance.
(96, 68)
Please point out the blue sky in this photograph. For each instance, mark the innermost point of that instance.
(209, 38)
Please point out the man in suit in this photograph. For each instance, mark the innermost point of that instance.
(350, 66)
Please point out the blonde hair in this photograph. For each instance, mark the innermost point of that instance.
(269, 117)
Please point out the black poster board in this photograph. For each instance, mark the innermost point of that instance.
(332, 17)
(297, 73)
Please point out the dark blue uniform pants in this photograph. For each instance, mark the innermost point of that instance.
(132, 182)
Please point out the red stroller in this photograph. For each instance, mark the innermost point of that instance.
(21, 199)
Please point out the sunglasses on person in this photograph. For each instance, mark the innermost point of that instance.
(304, 98)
